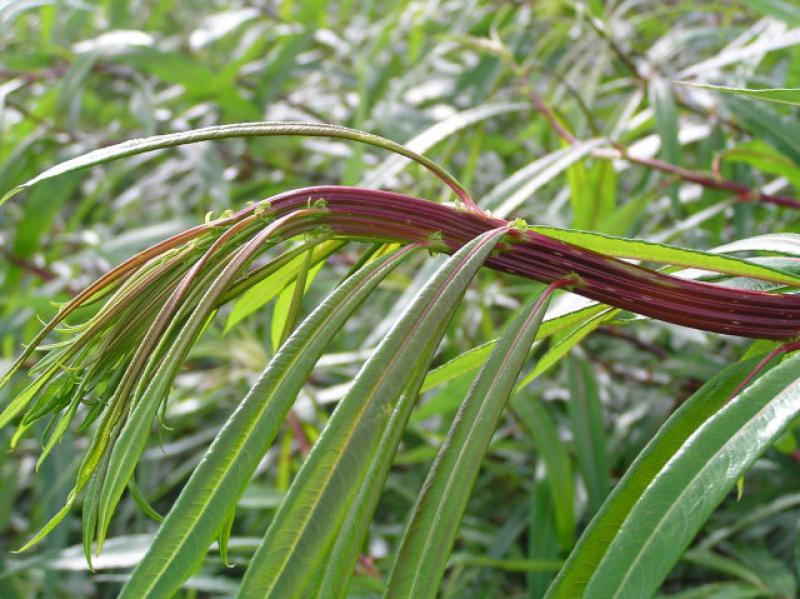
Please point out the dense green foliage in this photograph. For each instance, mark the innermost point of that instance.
(321, 394)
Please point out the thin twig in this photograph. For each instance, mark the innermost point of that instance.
(780, 350)
(743, 192)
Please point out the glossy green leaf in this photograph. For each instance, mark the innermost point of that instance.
(201, 509)
(621, 247)
(779, 243)
(431, 532)
(308, 522)
(284, 317)
(677, 481)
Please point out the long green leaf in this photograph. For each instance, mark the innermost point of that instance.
(342, 557)
(220, 479)
(586, 417)
(566, 343)
(258, 129)
(593, 545)
(779, 243)
(786, 10)
(790, 95)
(667, 127)
(768, 125)
(622, 247)
(431, 532)
(686, 490)
(540, 425)
(474, 358)
(311, 516)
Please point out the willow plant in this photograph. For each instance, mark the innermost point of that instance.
(112, 374)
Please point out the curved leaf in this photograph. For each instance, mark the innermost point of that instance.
(783, 95)
(220, 479)
(257, 129)
(431, 532)
(675, 483)
(638, 249)
(311, 516)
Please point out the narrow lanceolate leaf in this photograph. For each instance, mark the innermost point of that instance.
(540, 425)
(586, 418)
(790, 95)
(311, 516)
(560, 349)
(672, 487)
(220, 479)
(779, 243)
(785, 10)
(430, 534)
(472, 359)
(258, 129)
(621, 247)
(768, 125)
(342, 556)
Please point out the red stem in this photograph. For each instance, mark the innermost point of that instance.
(743, 192)
(781, 349)
(383, 215)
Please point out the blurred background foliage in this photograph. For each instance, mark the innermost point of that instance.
(459, 81)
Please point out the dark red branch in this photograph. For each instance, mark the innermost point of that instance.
(743, 192)
(383, 215)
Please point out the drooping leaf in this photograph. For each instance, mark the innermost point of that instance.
(258, 129)
(199, 512)
(645, 524)
(422, 556)
(309, 520)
